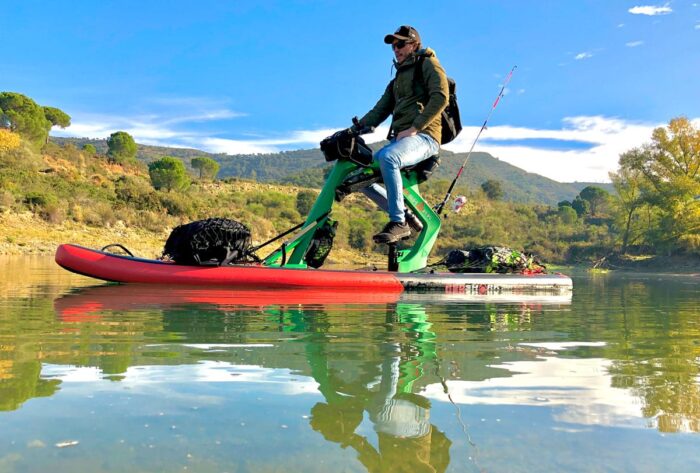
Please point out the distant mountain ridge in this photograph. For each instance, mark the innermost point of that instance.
(306, 167)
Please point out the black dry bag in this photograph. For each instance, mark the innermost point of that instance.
(210, 242)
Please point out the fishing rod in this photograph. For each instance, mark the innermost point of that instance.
(441, 205)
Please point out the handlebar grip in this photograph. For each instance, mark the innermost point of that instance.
(358, 129)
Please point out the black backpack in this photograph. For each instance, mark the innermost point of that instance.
(210, 242)
(451, 123)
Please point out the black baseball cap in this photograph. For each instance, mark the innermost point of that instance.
(404, 33)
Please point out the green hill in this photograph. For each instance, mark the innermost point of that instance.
(306, 167)
(61, 193)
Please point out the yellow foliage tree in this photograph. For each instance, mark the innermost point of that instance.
(8, 140)
(667, 172)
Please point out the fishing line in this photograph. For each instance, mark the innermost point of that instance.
(467, 435)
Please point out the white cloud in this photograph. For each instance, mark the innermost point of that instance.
(651, 10)
(697, 26)
(222, 145)
(609, 137)
(170, 126)
(150, 129)
(583, 55)
(173, 131)
(145, 130)
(634, 44)
(293, 140)
(621, 25)
(205, 117)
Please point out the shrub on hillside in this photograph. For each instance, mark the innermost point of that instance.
(305, 200)
(151, 221)
(75, 211)
(272, 204)
(19, 159)
(290, 214)
(177, 204)
(359, 233)
(136, 192)
(7, 200)
(90, 150)
(53, 212)
(38, 199)
(257, 209)
(46, 205)
(100, 214)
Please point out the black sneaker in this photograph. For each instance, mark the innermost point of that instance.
(393, 232)
(413, 222)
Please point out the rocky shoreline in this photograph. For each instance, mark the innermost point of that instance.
(682, 264)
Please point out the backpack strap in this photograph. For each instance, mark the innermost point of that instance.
(418, 73)
(417, 76)
(393, 104)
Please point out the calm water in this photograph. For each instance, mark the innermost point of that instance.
(106, 378)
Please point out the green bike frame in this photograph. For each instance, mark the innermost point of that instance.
(293, 252)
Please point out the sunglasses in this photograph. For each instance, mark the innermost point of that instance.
(400, 44)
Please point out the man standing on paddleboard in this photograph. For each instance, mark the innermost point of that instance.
(415, 100)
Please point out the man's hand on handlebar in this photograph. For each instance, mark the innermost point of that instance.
(358, 128)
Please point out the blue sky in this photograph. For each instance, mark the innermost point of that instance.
(594, 77)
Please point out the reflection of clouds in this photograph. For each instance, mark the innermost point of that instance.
(563, 345)
(214, 346)
(281, 381)
(579, 388)
(71, 374)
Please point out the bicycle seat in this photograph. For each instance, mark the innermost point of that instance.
(424, 169)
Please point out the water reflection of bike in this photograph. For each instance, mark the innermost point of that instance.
(381, 381)
(406, 438)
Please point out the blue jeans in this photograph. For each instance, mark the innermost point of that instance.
(391, 158)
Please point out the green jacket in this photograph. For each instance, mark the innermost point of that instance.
(413, 103)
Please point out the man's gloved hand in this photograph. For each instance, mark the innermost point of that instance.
(356, 125)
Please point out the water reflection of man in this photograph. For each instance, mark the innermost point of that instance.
(406, 439)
